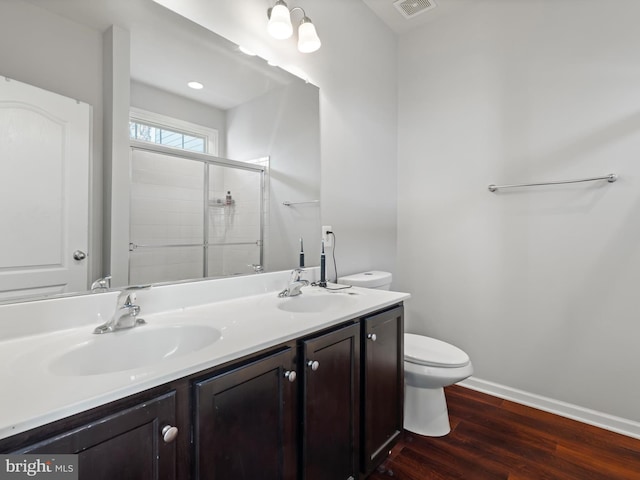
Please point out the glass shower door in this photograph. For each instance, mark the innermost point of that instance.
(234, 221)
(166, 218)
(191, 217)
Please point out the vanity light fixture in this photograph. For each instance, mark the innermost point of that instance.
(280, 27)
(195, 85)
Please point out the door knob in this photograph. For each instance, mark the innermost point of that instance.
(372, 337)
(313, 364)
(290, 375)
(79, 255)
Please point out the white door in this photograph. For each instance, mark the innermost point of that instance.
(44, 191)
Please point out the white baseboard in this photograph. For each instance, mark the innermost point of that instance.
(620, 425)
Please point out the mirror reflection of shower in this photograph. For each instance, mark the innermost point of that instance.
(194, 215)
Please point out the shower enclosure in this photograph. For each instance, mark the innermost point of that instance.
(193, 215)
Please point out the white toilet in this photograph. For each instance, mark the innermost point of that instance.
(429, 366)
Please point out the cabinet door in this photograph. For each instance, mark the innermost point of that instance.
(244, 427)
(383, 385)
(330, 399)
(127, 445)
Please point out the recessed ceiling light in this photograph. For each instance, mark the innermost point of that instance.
(195, 85)
(246, 51)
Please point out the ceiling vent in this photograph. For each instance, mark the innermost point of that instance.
(411, 8)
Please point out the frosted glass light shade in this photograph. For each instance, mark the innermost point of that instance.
(279, 25)
(308, 40)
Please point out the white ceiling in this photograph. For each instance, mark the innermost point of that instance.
(168, 50)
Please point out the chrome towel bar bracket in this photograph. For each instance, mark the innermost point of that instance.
(612, 177)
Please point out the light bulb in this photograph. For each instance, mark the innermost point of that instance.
(279, 25)
(308, 40)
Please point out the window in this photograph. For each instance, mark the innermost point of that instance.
(162, 130)
(146, 132)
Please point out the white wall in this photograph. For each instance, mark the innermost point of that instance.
(155, 100)
(284, 124)
(539, 286)
(356, 72)
(53, 53)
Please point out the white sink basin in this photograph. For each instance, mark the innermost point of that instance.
(326, 302)
(133, 348)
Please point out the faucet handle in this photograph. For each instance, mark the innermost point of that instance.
(130, 299)
(296, 274)
(127, 295)
(102, 284)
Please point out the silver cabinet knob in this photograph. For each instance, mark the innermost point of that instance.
(169, 433)
(290, 375)
(372, 337)
(313, 364)
(79, 255)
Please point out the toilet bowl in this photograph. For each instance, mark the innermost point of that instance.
(429, 366)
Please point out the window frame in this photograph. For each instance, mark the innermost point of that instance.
(181, 126)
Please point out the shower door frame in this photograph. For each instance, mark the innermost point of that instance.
(208, 160)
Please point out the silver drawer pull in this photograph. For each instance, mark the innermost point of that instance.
(313, 364)
(290, 375)
(372, 337)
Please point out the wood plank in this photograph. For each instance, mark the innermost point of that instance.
(492, 438)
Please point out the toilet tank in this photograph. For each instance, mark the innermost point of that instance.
(372, 279)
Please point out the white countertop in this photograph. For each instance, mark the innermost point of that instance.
(248, 319)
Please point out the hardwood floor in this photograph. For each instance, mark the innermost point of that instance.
(495, 439)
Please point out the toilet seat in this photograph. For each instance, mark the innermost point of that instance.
(428, 351)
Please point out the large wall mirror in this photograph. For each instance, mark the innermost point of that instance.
(242, 193)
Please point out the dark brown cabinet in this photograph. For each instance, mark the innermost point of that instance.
(330, 408)
(382, 385)
(244, 421)
(128, 444)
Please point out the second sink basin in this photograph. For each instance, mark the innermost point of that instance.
(133, 348)
(316, 303)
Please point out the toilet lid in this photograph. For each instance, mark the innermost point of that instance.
(429, 351)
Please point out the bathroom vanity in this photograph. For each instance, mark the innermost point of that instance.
(308, 387)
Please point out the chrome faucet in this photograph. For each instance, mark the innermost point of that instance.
(256, 267)
(296, 282)
(126, 314)
(102, 284)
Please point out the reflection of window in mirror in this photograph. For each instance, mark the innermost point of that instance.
(171, 132)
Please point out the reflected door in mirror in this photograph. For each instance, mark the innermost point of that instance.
(44, 171)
